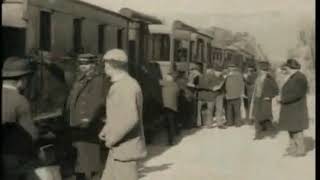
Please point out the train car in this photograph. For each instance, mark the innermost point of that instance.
(51, 34)
(217, 59)
(138, 40)
(61, 26)
(202, 49)
(176, 45)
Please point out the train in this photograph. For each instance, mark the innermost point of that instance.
(54, 32)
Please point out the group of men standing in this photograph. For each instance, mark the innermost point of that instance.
(109, 110)
(228, 97)
(98, 109)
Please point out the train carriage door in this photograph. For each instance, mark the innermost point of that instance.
(120, 38)
(77, 35)
(45, 30)
(13, 42)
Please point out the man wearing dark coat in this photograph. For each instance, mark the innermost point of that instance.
(18, 130)
(294, 111)
(249, 78)
(85, 110)
(265, 90)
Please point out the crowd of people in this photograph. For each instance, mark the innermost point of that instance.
(229, 97)
(110, 111)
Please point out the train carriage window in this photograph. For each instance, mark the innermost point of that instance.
(161, 47)
(208, 51)
(45, 31)
(101, 38)
(77, 35)
(180, 53)
(200, 50)
(191, 51)
(119, 38)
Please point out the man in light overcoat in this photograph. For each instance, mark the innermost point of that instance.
(123, 131)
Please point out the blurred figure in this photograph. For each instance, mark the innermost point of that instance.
(123, 132)
(170, 92)
(84, 111)
(294, 116)
(249, 78)
(184, 101)
(206, 98)
(265, 90)
(234, 87)
(219, 100)
(18, 130)
(193, 82)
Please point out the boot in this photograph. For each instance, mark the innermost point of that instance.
(291, 149)
(299, 140)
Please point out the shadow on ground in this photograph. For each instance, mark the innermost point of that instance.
(144, 171)
(159, 148)
(309, 144)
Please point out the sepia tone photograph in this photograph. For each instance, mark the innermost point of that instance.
(158, 90)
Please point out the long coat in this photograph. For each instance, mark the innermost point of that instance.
(294, 110)
(123, 129)
(234, 85)
(87, 101)
(262, 106)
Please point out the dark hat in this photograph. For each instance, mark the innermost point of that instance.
(87, 58)
(15, 67)
(264, 65)
(293, 64)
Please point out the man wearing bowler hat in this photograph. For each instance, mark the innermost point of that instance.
(18, 131)
(84, 111)
(123, 130)
(234, 90)
(265, 89)
(294, 116)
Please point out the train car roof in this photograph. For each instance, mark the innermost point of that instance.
(138, 16)
(177, 24)
(13, 18)
(101, 9)
(161, 29)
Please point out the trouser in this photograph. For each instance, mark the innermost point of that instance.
(205, 113)
(233, 114)
(264, 125)
(296, 142)
(171, 124)
(15, 167)
(120, 170)
(185, 112)
(219, 110)
(247, 104)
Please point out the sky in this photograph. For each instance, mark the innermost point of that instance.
(274, 23)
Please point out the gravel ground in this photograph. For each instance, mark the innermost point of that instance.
(229, 154)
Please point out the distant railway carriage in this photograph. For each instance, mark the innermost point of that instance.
(178, 44)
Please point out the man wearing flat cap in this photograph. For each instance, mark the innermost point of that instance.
(294, 116)
(84, 112)
(265, 89)
(123, 131)
(18, 131)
